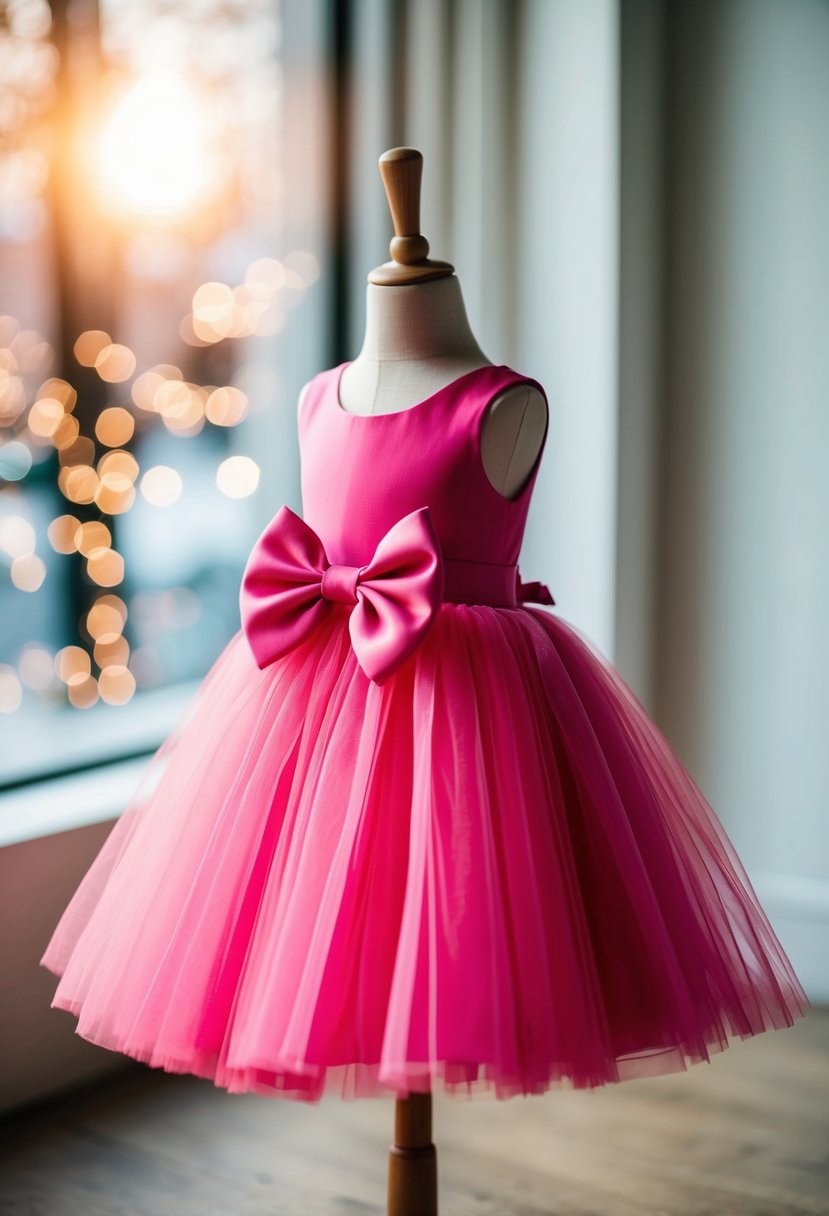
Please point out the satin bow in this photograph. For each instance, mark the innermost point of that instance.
(289, 585)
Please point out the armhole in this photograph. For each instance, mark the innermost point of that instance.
(519, 382)
(302, 398)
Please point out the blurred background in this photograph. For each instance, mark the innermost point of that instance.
(634, 194)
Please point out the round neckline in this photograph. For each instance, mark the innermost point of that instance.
(336, 379)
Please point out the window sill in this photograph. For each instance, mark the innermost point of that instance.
(101, 789)
(69, 802)
(43, 745)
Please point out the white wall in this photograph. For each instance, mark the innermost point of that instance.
(39, 1049)
(567, 260)
(743, 687)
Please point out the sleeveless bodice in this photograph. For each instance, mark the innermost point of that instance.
(362, 473)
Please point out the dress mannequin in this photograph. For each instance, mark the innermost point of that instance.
(418, 339)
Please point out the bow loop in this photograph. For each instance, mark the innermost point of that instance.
(398, 591)
(289, 585)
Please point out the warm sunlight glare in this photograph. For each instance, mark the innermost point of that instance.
(153, 158)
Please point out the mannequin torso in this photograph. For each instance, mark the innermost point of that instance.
(418, 340)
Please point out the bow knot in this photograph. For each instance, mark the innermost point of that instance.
(339, 583)
(289, 585)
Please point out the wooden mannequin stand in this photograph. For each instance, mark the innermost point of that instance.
(413, 1167)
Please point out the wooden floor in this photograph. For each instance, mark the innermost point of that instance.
(747, 1135)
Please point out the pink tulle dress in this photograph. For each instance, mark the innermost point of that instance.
(414, 831)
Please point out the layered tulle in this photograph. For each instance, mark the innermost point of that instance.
(488, 873)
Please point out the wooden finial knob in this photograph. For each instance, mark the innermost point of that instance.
(402, 170)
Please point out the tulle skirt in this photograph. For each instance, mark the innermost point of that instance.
(490, 873)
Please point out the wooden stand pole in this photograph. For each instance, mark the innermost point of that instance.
(413, 1168)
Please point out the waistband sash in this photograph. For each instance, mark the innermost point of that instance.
(467, 582)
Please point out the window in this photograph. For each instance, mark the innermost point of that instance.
(151, 274)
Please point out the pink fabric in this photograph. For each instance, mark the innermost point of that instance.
(488, 871)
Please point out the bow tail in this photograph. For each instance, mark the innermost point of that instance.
(533, 592)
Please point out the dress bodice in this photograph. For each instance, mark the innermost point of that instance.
(362, 473)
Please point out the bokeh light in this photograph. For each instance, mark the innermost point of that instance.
(45, 416)
(66, 432)
(146, 385)
(226, 406)
(118, 461)
(78, 483)
(12, 397)
(106, 618)
(115, 492)
(161, 485)
(94, 534)
(60, 390)
(28, 572)
(63, 533)
(89, 345)
(17, 535)
(213, 311)
(114, 427)
(11, 690)
(238, 476)
(36, 667)
(181, 406)
(115, 650)
(71, 661)
(15, 460)
(115, 363)
(82, 690)
(105, 567)
(116, 684)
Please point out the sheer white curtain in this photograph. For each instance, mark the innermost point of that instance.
(742, 650)
(634, 196)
